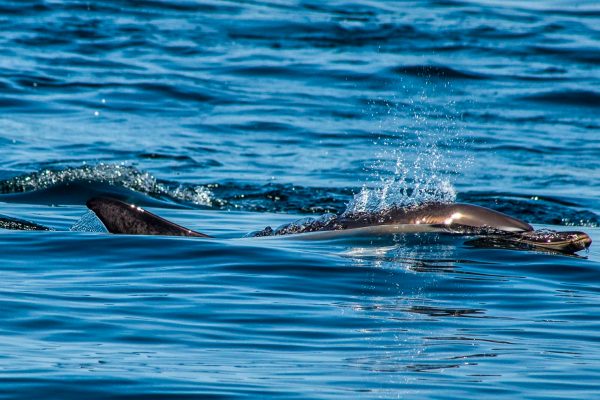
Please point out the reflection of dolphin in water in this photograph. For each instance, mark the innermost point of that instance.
(497, 229)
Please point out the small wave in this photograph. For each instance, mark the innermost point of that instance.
(76, 184)
(274, 197)
(436, 71)
(567, 97)
(117, 175)
(14, 103)
(181, 158)
(576, 54)
(326, 34)
(178, 92)
(535, 209)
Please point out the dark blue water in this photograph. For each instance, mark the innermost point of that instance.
(230, 116)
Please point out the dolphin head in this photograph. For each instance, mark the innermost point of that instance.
(569, 242)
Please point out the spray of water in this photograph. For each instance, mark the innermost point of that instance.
(88, 223)
(418, 157)
(114, 174)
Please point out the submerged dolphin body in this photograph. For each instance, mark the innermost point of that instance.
(498, 229)
(11, 223)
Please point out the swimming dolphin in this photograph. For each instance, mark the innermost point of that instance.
(120, 217)
(12, 223)
(500, 229)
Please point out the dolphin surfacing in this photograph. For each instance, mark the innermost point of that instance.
(500, 229)
(120, 217)
(433, 217)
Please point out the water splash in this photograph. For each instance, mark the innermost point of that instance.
(88, 223)
(416, 163)
(271, 197)
(410, 187)
(120, 175)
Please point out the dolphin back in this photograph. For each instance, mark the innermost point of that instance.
(451, 215)
(123, 218)
(477, 217)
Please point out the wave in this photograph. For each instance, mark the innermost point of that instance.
(437, 71)
(329, 34)
(587, 98)
(535, 209)
(76, 185)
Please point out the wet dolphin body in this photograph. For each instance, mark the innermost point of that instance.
(120, 217)
(11, 223)
(500, 229)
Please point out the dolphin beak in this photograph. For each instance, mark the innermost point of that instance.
(576, 242)
(585, 240)
(565, 242)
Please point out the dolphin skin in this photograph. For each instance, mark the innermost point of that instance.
(497, 229)
(120, 217)
(20, 225)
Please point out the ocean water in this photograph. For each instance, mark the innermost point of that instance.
(228, 116)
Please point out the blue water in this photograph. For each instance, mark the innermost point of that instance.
(230, 116)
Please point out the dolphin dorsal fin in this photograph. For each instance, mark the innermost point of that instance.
(129, 219)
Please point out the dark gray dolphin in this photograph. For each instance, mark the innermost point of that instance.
(120, 217)
(20, 225)
(123, 218)
(437, 215)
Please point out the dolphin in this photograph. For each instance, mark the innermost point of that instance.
(500, 229)
(11, 223)
(120, 217)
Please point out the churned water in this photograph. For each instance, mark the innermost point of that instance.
(227, 116)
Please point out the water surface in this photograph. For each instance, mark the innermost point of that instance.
(230, 116)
